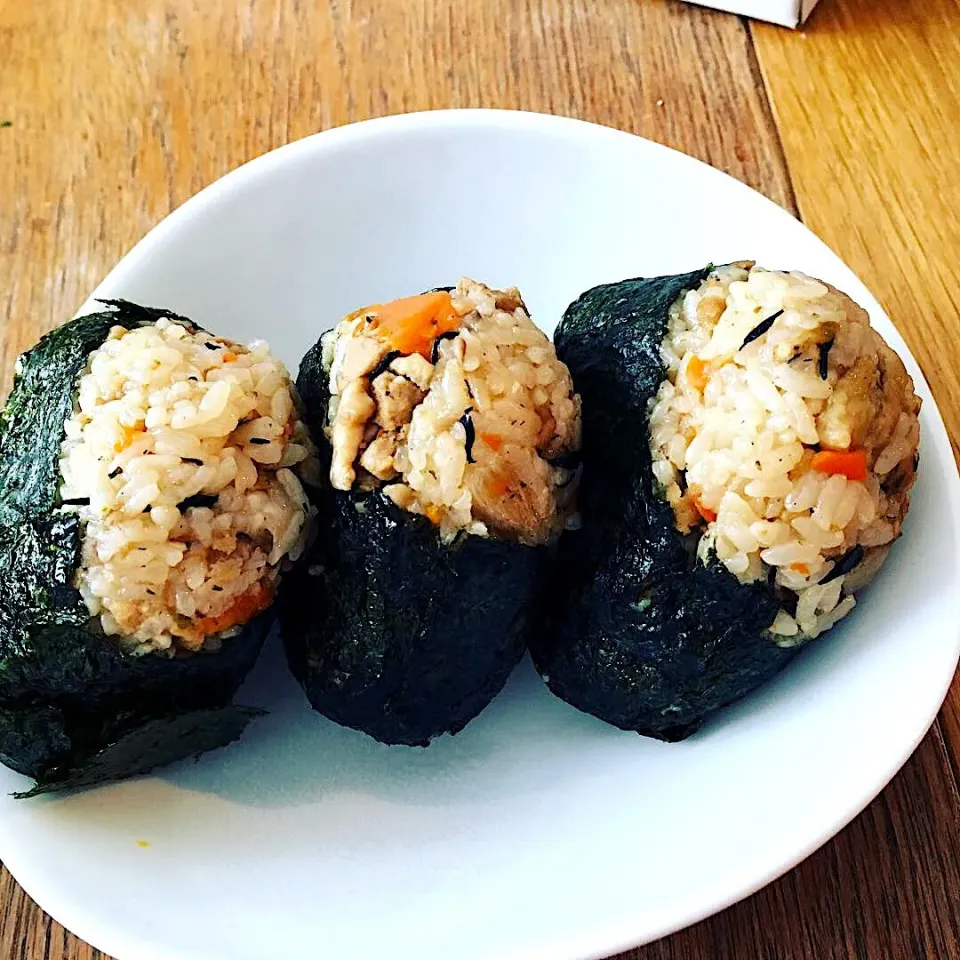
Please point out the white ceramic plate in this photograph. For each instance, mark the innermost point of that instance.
(538, 832)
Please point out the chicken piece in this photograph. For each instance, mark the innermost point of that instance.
(415, 368)
(395, 397)
(360, 355)
(710, 310)
(846, 419)
(512, 492)
(866, 403)
(378, 457)
(509, 300)
(804, 340)
(353, 411)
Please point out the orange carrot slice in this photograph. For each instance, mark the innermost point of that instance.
(705, 512)
(257, 598)
(129, 434)
(497, 486)
(851, 464)
(411, 324)
(800, 568)
(697, 373)
(491, 440)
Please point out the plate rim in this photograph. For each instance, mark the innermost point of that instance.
(103, 932)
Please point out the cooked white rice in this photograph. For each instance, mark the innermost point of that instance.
(741, 435)
(181, 459)
(474, 432)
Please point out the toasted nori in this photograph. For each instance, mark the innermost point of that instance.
(75, 710)
(387, 629)
(634, 630)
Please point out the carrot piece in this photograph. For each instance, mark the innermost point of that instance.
(697, 373)
(704, 511)
(852, 464)
(493, 441)
(128, 436)
(497, 486)
(411, 324)
(800, 568)
(257, 598)
(229, 357)
(434, 513)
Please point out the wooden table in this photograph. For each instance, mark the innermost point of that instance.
(119, 110)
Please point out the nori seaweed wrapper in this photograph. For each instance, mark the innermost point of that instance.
(74, 709)
(635, 630)
(387, 629)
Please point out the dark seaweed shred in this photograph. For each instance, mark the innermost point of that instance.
(113, 474)
(771, 577)
(824, 349)
(467, 422)
(845, 564)
(77, 502)
(258, 440)
(435, 349)
(440, 290)
(384, 364)
(213, 346)
(197, 500)
(192, 460)
(760, 329)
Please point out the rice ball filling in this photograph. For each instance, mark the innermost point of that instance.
(784, 438)
(183, 459)
(454, 405)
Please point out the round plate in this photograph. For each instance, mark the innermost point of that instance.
(538, 832)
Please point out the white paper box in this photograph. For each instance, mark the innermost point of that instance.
(789, 13)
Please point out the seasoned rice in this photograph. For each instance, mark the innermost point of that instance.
(182, 460)
(476, 431)
(770, 376)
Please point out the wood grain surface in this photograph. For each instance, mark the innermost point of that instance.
(121, 109)
(867, 109)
